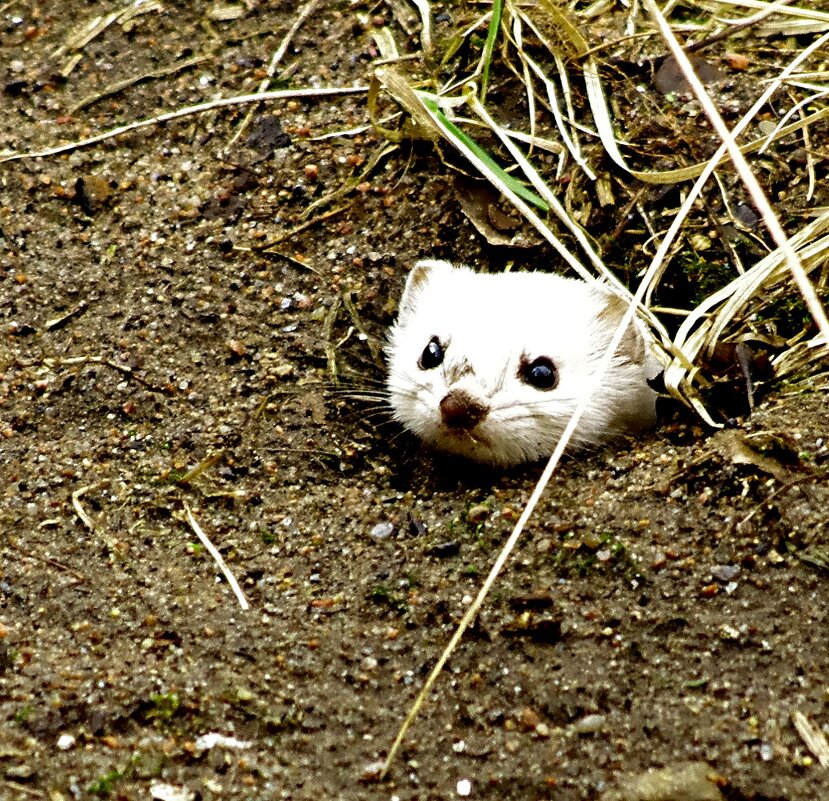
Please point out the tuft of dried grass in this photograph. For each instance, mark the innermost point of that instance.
(628, 134)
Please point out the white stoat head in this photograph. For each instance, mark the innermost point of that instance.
(491, 366)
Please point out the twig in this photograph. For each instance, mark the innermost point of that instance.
(204, 465)
(46, 560)
(185, 112)
(218, 559)
(272, 243)
(81, 512)
(813, 737)
(303, 15)
(121, 368)
(115, 88)
(59, 322)
(110, 541)
(17, 788)
(327, 337)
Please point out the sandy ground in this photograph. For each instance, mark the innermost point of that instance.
(667, 606)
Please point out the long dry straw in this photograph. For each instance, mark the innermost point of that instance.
(752, 184)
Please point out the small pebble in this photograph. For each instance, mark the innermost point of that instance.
(725, 573)
(160, 791)
(372, 771)
(382, 531)
(464, 788)
(65, 742)
(529, 719)
(689, 782)
(589, 724)
(445, 550)
(737, 61)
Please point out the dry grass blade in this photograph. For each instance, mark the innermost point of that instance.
(814, 738)
(758, 196)
(811, 14)
(425, 11)
(569, 140)
(217, 557)
(110, 541)
(183, 112)
(133, 80)
(301, 17)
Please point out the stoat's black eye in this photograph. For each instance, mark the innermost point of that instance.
(540, 373)
(432, 355)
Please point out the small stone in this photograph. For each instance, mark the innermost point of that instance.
(92, 193)
(689, 782)
(725, 573)
(528, 719)
(372, 772)
(382, 531)
(464, 787)
(589, 724)
(170, 792)
(236, 347)
(65, 742)
(737, 61)
(445, 550)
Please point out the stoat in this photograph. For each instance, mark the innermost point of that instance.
(491, 366)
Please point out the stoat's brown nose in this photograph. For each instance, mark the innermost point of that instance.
(460, 410)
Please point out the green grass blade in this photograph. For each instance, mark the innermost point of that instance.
(489, 44)
(452, 131)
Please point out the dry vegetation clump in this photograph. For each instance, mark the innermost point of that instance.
(588, 126)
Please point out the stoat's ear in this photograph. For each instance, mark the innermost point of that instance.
(418, 278)
(632, 346)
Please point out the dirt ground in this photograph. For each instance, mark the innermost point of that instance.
(668, 605)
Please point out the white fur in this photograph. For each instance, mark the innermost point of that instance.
(486, 322)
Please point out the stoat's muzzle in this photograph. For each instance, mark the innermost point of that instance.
(459, 410)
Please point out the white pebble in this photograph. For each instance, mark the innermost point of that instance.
(65, 742)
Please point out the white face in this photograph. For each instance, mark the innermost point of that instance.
(491, 367)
